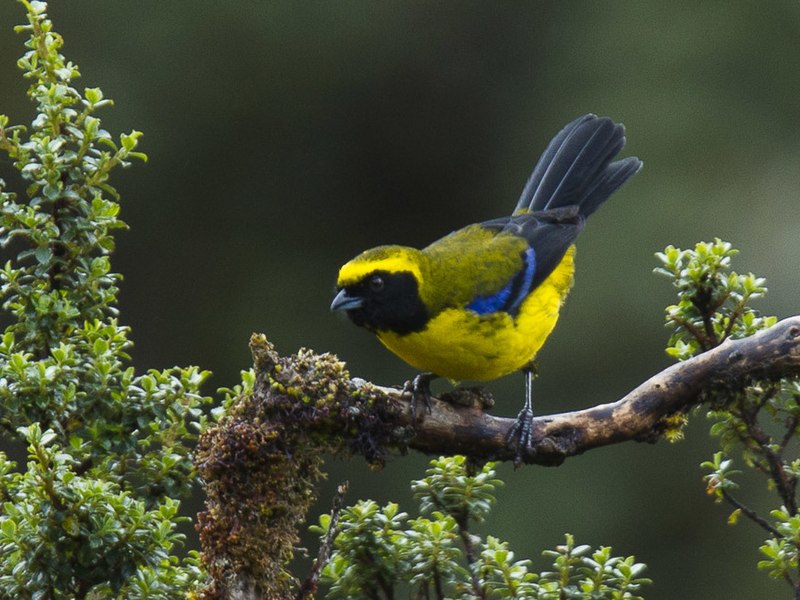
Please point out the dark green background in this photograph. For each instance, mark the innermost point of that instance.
(285, 137)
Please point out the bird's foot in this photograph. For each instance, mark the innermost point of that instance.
(419, 388)
(521, 434)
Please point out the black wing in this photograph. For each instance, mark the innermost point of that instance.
(548, 233)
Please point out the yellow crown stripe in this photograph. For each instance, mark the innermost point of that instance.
(356, 269)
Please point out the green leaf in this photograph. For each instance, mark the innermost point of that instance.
(100, 347)
(93, 95)
(9, 529)
(44, 255)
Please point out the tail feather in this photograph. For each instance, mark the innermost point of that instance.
(576, 169)
(615, 175)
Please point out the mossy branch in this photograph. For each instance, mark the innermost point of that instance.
(261, 461)
(641, 415)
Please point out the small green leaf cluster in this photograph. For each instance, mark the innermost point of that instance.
(371, 550)
(379, 552)
(781, 554)
(720, 479)
(580, 572)
(95, 510)
(712, 300)
(761, 422)
(451, 488)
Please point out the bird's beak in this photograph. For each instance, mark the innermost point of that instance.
(343, 301)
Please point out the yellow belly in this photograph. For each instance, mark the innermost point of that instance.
(460, 344)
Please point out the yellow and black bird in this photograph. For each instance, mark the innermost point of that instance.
(480, 302)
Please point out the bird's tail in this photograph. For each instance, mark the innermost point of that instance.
(576, 169)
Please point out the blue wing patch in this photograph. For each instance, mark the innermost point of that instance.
(511, 296)
(489, 304)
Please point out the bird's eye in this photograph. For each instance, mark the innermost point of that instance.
(376, 283)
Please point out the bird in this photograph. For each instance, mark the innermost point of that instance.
(479, 303)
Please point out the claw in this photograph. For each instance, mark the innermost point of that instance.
(419, 387)
(521, 432)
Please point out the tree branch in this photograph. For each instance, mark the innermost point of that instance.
(261, 461)
(752, 515)
(451, 429)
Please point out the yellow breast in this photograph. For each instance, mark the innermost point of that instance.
(460, 344)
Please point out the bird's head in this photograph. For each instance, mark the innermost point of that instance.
(379, 290)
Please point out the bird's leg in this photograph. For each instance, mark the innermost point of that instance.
(420, 387)
(521, 433)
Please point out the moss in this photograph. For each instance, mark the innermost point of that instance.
(262, 461)
(674, 425)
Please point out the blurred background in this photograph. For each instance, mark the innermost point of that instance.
(285, 137)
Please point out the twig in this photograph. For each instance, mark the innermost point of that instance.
(751, 514)
(309, 587)
(790, 432)
(469, 550)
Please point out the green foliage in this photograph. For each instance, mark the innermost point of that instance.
(712, 302)
(450, 488)
(760, 423)
(379, 552)
(95, 509)
(55, 519)
(581, 572)
(372, 551)
(502, 576)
